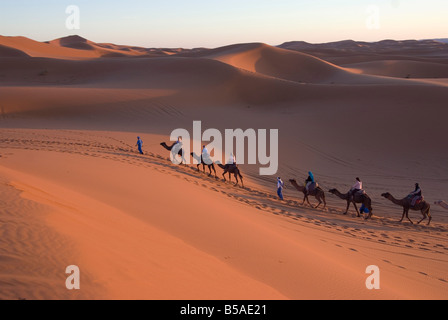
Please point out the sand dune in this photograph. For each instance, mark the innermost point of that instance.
(402, 69)
(8, 52)
(282, 64)
(78, 48)
(74, 48)
(427, 49)
(199, 250)
(46, 50)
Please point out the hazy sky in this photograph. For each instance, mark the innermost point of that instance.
(213, 23)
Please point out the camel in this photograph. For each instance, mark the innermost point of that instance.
(357, 198)
(231, 168)
(201, 161)
(423, 206)
(318, 193)
(169, 148)
(443, 204)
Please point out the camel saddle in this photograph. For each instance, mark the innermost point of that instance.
(313, 186)
(418, 200)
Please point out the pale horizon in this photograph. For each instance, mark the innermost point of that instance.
(202, 24)
(224, 45)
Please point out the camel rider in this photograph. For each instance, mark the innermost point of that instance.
(357, 187)
(204, 151)
(177, 146)
(232, 159)
(310, 183)
(206, 156)
(415, 195)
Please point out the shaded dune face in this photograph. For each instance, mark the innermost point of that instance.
(9, 52)
(276, 62)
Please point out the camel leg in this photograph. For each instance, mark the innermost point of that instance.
(212, 168)
(183, 158)
(348, 206)
(407, 216)
(304, 198)
(356, 209)
(402, 217)
(308, 200)
(320, 202)
(426, 214)
(224, 176)
(236, 177)
(370, 214)
(424, 217)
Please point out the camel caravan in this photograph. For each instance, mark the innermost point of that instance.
(205, 160)
(356, 195)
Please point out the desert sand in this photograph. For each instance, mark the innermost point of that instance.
(74, 190)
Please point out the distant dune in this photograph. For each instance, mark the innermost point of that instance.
(76, 48)
(9, 52)
(402, 69)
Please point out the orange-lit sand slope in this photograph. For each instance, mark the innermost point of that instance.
(74, 190)
(144, 228)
